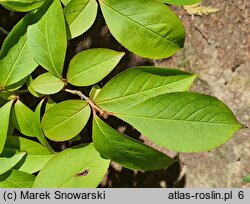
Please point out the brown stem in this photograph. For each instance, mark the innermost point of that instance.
(95, 108)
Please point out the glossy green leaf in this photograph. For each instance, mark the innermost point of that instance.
(180, 2)
(183, 122)
(16, 61)
(8, 163)
(137, 84)
(21, 5)
(23, 119)
(81, 167)
(4, 123)
(37, 155)
(65, 120)
(16, 179)
(91, 66)
(246, 179)
(149, 28)
(47, 39)
(47, 84)
(126, 151)
(80, 16)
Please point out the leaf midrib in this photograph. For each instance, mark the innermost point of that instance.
(64, 121)
(25, 119)
(58, 83)
(138, 93)
(137, 23)
(14, 64)
(49, 49)
(79, 13)
(93, 66)
(177, 120)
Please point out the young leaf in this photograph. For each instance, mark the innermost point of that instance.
(94, 92)
(21, 5)
(126, 151)
(91, 66)
(37, 155)
(65, 120)
(183, 122)
(23, 119)
(16, 179)
(80, 16)
(80, 167)
(4, 123)
(47, 39)
(149, 28)
(180, 2)
(47, 84)
(137, 84)
(8, 163)
(16, 61)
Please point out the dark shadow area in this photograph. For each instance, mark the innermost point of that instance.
(125, 178)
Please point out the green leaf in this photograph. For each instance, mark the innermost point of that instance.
(47, 39)
(40, 136)
(180, 2)
(94, 92)
(246, 179)
(65, 120)
(73, 168)
(16, 61)
(8, 163)
(2, 100)
(49, 104)
(31, 90)
(183, 122)
(149, 29)
(80, 16)
(37, 155)
(21, 5)
(4, 123)
(126, 151)
(47, 84)
(15, 86)
(16, 179)
(91, 66)
(138, 84)
(23, 119)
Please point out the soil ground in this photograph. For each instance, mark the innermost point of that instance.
(218, 49)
